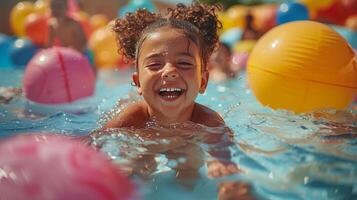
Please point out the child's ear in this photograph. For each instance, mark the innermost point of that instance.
(204, 81)
(135, 78)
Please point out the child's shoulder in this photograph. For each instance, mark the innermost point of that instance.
(206, 116)
(134, 115)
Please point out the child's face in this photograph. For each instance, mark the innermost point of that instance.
(169, 72)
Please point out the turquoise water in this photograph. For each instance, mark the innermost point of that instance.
(280, 155)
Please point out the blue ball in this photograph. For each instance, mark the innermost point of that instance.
(21, 52)
(136, 4)
(293, 11)
(5, 44)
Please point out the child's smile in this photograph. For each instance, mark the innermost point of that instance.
(171, 94)
(169, 74)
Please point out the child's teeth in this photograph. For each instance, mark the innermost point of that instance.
(170, 90)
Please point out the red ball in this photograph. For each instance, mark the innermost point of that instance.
(338, 12)
(55, 167)
(36, 28)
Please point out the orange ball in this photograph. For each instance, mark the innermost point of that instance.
(264, 17)
(98, 21)
(104, 47)
(36, 28)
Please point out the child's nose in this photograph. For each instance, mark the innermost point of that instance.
(170, 72)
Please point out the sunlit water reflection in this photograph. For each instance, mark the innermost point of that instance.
(280, 155)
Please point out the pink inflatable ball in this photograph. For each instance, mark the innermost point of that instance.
(51, 167)
(58, 75)
(239, 61)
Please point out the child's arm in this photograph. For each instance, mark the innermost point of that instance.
(221, 164)
(134, 115)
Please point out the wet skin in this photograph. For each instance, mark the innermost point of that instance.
(65, 29)
(169, 60)
(169, 77)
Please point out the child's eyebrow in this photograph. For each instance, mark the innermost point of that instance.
(185, 54)
(154, 55)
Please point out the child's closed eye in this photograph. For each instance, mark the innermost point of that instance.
(185, 64)
(154, 66)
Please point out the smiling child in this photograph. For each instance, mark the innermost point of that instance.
(170, 55)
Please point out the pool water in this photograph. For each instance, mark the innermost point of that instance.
(280, 155)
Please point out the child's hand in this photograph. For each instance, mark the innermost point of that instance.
(219, 168)
(234, 191)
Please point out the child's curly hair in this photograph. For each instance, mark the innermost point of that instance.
(198, 21)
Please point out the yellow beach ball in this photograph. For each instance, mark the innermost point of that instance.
(233, 17)
(18, 15)
(42, 7)
(303, 66)
(104, 47)
(98, 21)
(244, 46)
(317, 4)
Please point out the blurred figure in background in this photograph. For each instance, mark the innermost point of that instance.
(250, 33)
(220, 65)
(63, 30)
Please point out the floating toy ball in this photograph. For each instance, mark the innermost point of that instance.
(58, 76)
(98, 21)
(348, 34)
(238, 13)
(303, 66)
(42, 6)
(264, 17)
(36, 28)
(239, 60)
(5, 44)
(317, 4)
(42, 167)
(21, 52)
(293, 11)
(244, 46)
(18, 14)
(104, 47)
(338, 12)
